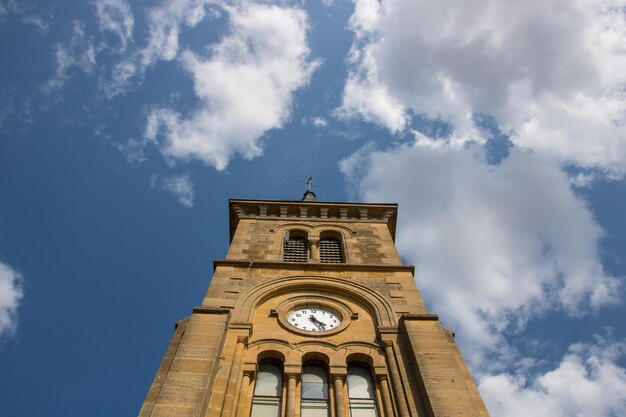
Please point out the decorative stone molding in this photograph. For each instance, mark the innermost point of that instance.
(382, 310)
(420, 317)
(313, 266)
(313, 211)
(341, 309)
(210, 310)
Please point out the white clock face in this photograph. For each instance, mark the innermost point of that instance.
(314, 318)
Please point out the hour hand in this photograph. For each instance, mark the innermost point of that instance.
(318, 323)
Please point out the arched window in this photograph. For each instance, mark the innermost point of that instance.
(314, 390)
(268, 390)
(295, 248)
(330, 248)
(361, 391)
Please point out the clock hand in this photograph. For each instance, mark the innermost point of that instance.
(320, 325)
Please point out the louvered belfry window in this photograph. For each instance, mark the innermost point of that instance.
(331, 251)
(295, 249)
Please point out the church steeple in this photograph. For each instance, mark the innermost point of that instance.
(312, 313)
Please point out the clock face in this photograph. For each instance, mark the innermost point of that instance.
(314, 318)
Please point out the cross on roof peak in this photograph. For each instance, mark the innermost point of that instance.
(309, 195)
(309, 183)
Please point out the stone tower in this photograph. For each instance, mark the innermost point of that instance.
(312, 314)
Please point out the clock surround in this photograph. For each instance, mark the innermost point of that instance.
(343, 313)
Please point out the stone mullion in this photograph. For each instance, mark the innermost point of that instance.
(292, 380)
(340, 406)
(314, 247)
(243, 393)
(387, 404)
(283, 399)
(331, 400)
(396, 380)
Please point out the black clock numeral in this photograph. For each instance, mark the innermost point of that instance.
(313, 311)
(296, 324)
(334, 321)
(293, 319)
(298, 315)
(303, 311)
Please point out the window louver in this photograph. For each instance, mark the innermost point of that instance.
(330, 251)
(295, 250)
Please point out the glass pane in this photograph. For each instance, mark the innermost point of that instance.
(314, 382)
(360, 383)
(362, 408)
(314, 409)
(362, 411)
(265, 410)
(269, 380)
(314, 374)
(315, 391)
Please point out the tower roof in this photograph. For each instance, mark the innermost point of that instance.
(309, 196)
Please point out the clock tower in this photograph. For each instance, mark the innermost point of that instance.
(312, 314)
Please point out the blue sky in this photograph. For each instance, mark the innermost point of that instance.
(499, 127)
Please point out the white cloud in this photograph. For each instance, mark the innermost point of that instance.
(165, 23)
(79, 52)
(587, 382)
(182, 187)
(8, 7)
(552, 80)
(133, 149)
(493, 245)
(116, 17)
(319, 122)
(37, 21)
(246, 86)
(11, 293)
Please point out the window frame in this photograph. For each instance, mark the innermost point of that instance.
(363, 403)
(315, 403)
(263, 399)
(339, 237)
(296, 234)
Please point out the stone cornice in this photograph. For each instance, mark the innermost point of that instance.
(306, 266)
(210, 310)
(312, 211)
(420, 317)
